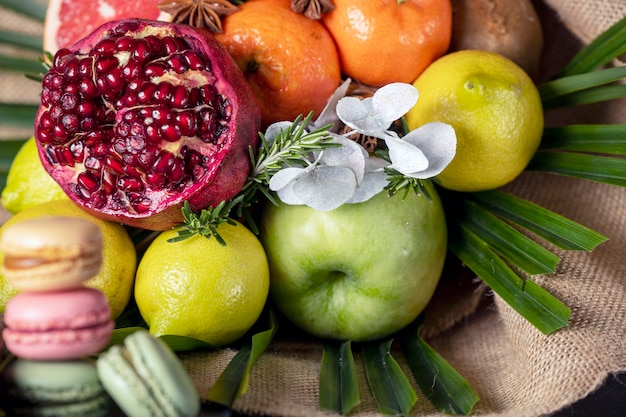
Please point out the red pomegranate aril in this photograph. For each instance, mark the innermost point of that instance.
(141, 51)
(105, 64)
(154, 69)
(171, 132)
(105, 47)
(124, 114)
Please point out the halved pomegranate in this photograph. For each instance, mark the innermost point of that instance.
(142, 115)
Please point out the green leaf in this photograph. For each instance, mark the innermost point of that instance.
(603, 169)
(185, 343)
(596, 138)
(21, 40)
(22, 65)
(446, 389)
(508, 242)
(592, 95)
(390, 387)
(556, 229)
(30, 8)
(19, 115)
(567, 85)
(530, 300)
(233, 382)
(119, 335)
(338, 385)
(8, 150)
(604, 48)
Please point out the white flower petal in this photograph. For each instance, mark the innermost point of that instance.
(350, 155)
(373, 183)
(283, 177)
(329, 113)
(393, 101)
(438, 142)
(374, 163)
(405, 156)
(325, 188)
(273, 130)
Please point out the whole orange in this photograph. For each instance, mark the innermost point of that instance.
(290, 61)
(387, 41)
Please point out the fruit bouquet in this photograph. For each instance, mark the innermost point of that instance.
(337, 207)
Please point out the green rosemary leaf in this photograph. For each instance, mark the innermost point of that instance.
(338, 384)
(19, 115)
(598, 138)
(233, 381)
(390, 387)
(567, 85)
(603, 169)
(23, 65)
(21, 40)
(531, 301)
(592, 95)
(118, 335)
(446, 389)
(604, 48)
(30, 8)
(514, 246)
(556, 229)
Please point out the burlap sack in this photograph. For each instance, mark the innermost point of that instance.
(516, 370)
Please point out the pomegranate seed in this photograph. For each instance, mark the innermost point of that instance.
(163, 163)
(88, 123)
(178, 63)
(129, 184)
(69, 101)
(56, 112)
(133, 171)
(142, 51)
(71, 88)
(105, 64)
(178, 171)
(207, 92)
(88, 181)
(169, 45)
(114, 163)
(101, 149)
(108, 182)
(45, 121)
(125, 44)
(171, 132)
(153, 133)
(195, 97)
(78, 151)
(194, 61)
(155, 44)
(147, 156)
(114, 80)
(144, 96)
(163, 92)
(105, 47)
(65, 157)
(154, 69)
(71, 69)
(226, 109)
(70, 122)
(142, 206)
(134, 85)
(180, 97)
(61, 57)
(84, 67)
(53, 80)
(93, 163)
(98, 199)
(87, 87)
(136, 143)
(162, 114)
(155, 180)
(59, 133)
(131, 70)
(187, 123)
(86, 108)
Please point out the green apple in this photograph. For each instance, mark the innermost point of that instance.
(360, 272)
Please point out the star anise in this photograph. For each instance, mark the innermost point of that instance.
(313, 9)
(204, 14)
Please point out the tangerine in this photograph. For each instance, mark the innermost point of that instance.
(291, 63)
(381, 42)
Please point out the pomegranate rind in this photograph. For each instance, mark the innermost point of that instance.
(230, 165)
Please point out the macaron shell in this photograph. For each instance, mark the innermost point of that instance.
(53, 388)
(57, 325)
(50, 253)
(145, 377)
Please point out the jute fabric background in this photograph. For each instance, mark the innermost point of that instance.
(516, 370)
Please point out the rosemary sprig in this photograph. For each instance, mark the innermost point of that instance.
(291, 147)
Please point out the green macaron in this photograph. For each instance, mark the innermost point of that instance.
(53, 388)
(145, 378)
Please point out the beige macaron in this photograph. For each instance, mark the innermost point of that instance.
(51, 253)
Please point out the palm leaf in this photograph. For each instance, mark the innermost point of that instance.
(338, 383)
(30, 8)
(30, 42)
(596, 138)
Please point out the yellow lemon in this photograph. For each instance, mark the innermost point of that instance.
(201, 289)
(495, 110)
(28, 183)
(119, 259)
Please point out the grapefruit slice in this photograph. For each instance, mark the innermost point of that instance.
(68, 21)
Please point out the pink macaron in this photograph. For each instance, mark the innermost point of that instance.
(57, 325)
